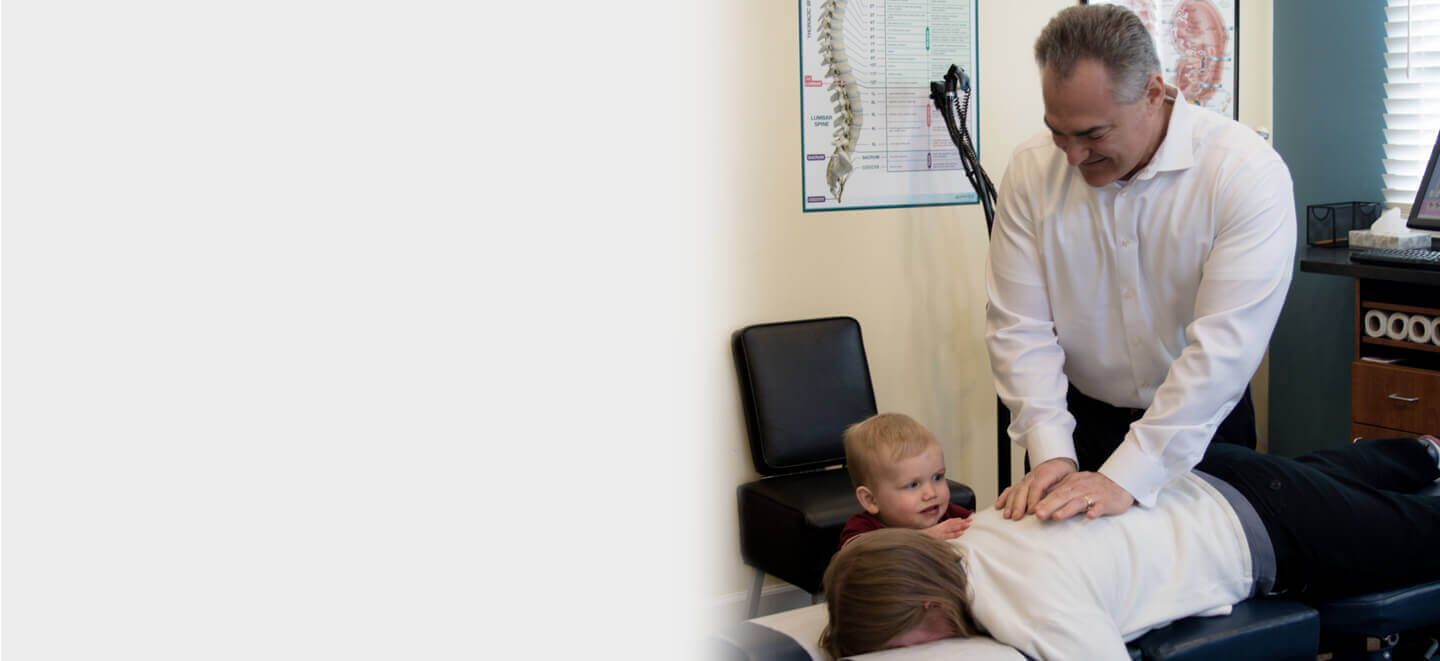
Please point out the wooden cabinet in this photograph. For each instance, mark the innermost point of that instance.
(1394, 384)
(1395, 397)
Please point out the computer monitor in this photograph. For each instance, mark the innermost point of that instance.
(1425, 213)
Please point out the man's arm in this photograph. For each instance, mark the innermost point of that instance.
(1240, 296)
(1025, 355)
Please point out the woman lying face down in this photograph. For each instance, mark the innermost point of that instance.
(900, 588)
(1241, 525)
(1073, 589)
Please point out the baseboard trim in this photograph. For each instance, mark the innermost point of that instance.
(731, 608)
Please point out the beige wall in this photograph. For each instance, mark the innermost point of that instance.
(1257, 32)
(913, 277)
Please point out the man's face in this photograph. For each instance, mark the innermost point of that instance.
(1104, 139)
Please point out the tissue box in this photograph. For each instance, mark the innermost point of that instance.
(1329, 224)
(1410, 241)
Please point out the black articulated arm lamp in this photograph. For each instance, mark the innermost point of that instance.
(952, 97)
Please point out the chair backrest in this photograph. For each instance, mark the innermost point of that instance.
(802, 383)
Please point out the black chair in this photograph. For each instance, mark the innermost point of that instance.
(801, 383)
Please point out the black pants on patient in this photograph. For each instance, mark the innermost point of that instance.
(1343, 521)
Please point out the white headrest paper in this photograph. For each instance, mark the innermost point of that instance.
(805, 624)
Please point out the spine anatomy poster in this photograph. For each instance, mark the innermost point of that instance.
(871, 137)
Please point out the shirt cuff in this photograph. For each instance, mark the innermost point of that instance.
(1136, 472)
(1046, 443)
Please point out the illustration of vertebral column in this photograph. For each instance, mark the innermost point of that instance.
(845, 94)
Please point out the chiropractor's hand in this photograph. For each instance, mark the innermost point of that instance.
(1092, 494)
(1021, 499)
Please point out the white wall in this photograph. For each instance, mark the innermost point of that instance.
(913, 277)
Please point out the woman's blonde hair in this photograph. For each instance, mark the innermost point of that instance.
(878, 585)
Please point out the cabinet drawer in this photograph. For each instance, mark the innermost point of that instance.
(1368, 432)
(1395, 397)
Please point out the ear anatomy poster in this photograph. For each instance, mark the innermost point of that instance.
(870, 135)
(1197, 42)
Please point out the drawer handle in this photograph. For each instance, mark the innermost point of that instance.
(1409, 400)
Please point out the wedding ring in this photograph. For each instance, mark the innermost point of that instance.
(1089, 502)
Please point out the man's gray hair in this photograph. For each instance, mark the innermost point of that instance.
(1109, 33)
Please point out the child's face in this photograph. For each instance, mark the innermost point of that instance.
(910, 493)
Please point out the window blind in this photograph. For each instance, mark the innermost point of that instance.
(1412, 94)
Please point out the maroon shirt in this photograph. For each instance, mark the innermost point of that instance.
(865, 522)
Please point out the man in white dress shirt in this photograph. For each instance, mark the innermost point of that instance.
(1141, 254)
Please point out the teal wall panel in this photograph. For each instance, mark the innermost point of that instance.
(1328, 100)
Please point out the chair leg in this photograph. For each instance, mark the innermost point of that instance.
(754, 607)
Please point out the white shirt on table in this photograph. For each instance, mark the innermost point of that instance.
(1081, 588)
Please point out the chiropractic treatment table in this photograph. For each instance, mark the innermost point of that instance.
(1255, 629)
(786, 364)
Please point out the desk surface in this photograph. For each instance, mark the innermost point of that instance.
(1336, 261)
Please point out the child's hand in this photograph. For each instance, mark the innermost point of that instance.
(948, 529)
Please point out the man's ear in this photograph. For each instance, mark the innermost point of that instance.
(1155, 91)
(867, 499)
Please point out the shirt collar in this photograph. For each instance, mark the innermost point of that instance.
(1177, 150)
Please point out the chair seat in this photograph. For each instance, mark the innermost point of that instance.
(1255, 629)
(1380, 614)
(790, 524)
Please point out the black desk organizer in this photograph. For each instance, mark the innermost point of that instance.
(1330, 224)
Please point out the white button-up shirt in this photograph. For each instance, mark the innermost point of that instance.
(1158, 293)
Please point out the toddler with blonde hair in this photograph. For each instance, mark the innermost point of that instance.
(898, 470)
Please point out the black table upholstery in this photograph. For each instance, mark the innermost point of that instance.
(1255, 629)
(1380, 614)
(1383, 613)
